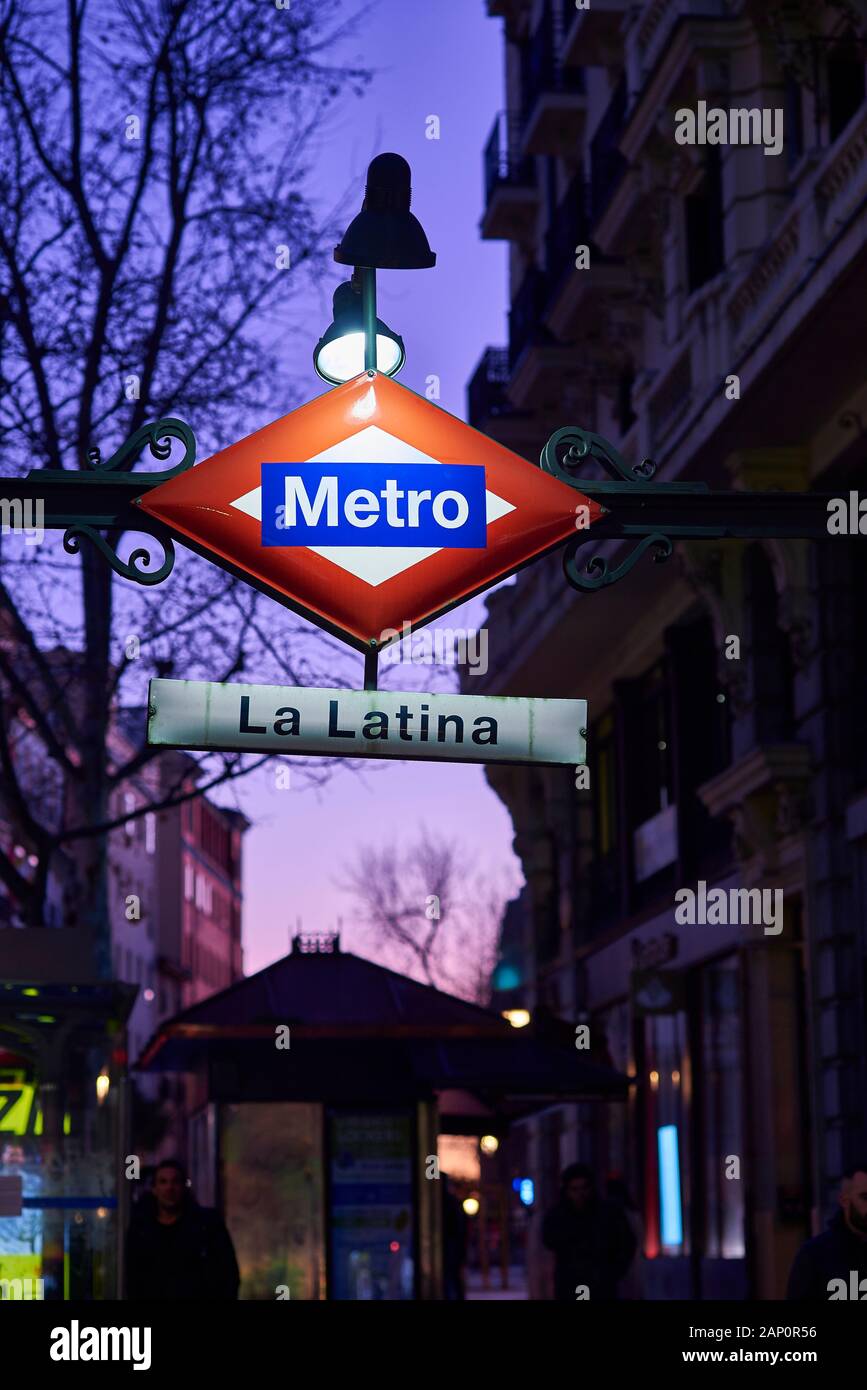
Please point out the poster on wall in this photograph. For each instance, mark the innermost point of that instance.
(371, 1205)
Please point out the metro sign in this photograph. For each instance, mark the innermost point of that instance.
(369, 508)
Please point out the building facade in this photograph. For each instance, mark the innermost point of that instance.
(175, 900)
(76, 1107)
(694, 304)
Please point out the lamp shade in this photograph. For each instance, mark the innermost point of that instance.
(385, 235)
(339, 354)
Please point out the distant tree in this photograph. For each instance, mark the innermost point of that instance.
(433, 914)
(153, 229)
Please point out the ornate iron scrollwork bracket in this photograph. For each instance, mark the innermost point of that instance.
(158, 436)
(657, 514)
(111, 487)
(566, 449)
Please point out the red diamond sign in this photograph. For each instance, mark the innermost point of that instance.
(369, 508)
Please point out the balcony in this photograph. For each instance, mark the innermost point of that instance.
(511, 188)
(538, 363)
(592, 36)
(525, 315)
(652, 34)
(554, 105)
(509, 10)
(570, 287)
(569, 229)
(607, 163)
(490, 410)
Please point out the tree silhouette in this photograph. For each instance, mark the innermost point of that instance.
(433, 913)
(154, 231)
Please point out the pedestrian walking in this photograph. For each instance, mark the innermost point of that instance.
(831, 1265)
(175, 1248)
(592, 1243)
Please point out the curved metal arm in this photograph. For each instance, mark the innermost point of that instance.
(581, 444)
(127, 569)
(596, 574)
(158, 436)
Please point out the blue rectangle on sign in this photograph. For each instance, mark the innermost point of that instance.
(374, 504)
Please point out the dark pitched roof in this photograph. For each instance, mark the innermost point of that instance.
(339, 988)
(357, 1029)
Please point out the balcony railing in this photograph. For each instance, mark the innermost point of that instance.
(656, 23)
(525, 315)
(607, 164)
(486, 393)
(541, 68)
(503, 164)
(570, 227)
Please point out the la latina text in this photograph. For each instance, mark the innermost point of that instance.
(403, 725)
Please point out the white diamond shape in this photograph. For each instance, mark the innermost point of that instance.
(374, 566)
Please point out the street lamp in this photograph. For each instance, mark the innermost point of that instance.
(340, 353)
(384, 236)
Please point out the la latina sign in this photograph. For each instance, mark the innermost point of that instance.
(365, 723)
(370, 511)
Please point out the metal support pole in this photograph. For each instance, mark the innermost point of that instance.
(371, 668)
(368, 310)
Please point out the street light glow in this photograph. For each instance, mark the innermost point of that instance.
(489, 1143)
(519, 1018)
(343, 358)
(471, 1206)
(339, 354)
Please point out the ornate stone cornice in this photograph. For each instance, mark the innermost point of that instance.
(765, 794)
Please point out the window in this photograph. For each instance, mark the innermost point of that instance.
(614, 1027)
(652, 777)
(204, 894)
(794, 120)
(604, 875)
(722, 1129)
(128, 808)
(845, 84)
(605, 786)
(770, 651)
(189, 878)
(150, 825)
(665, 1102)
(703, 211)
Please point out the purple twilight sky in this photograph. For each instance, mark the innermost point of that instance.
(445, 61)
